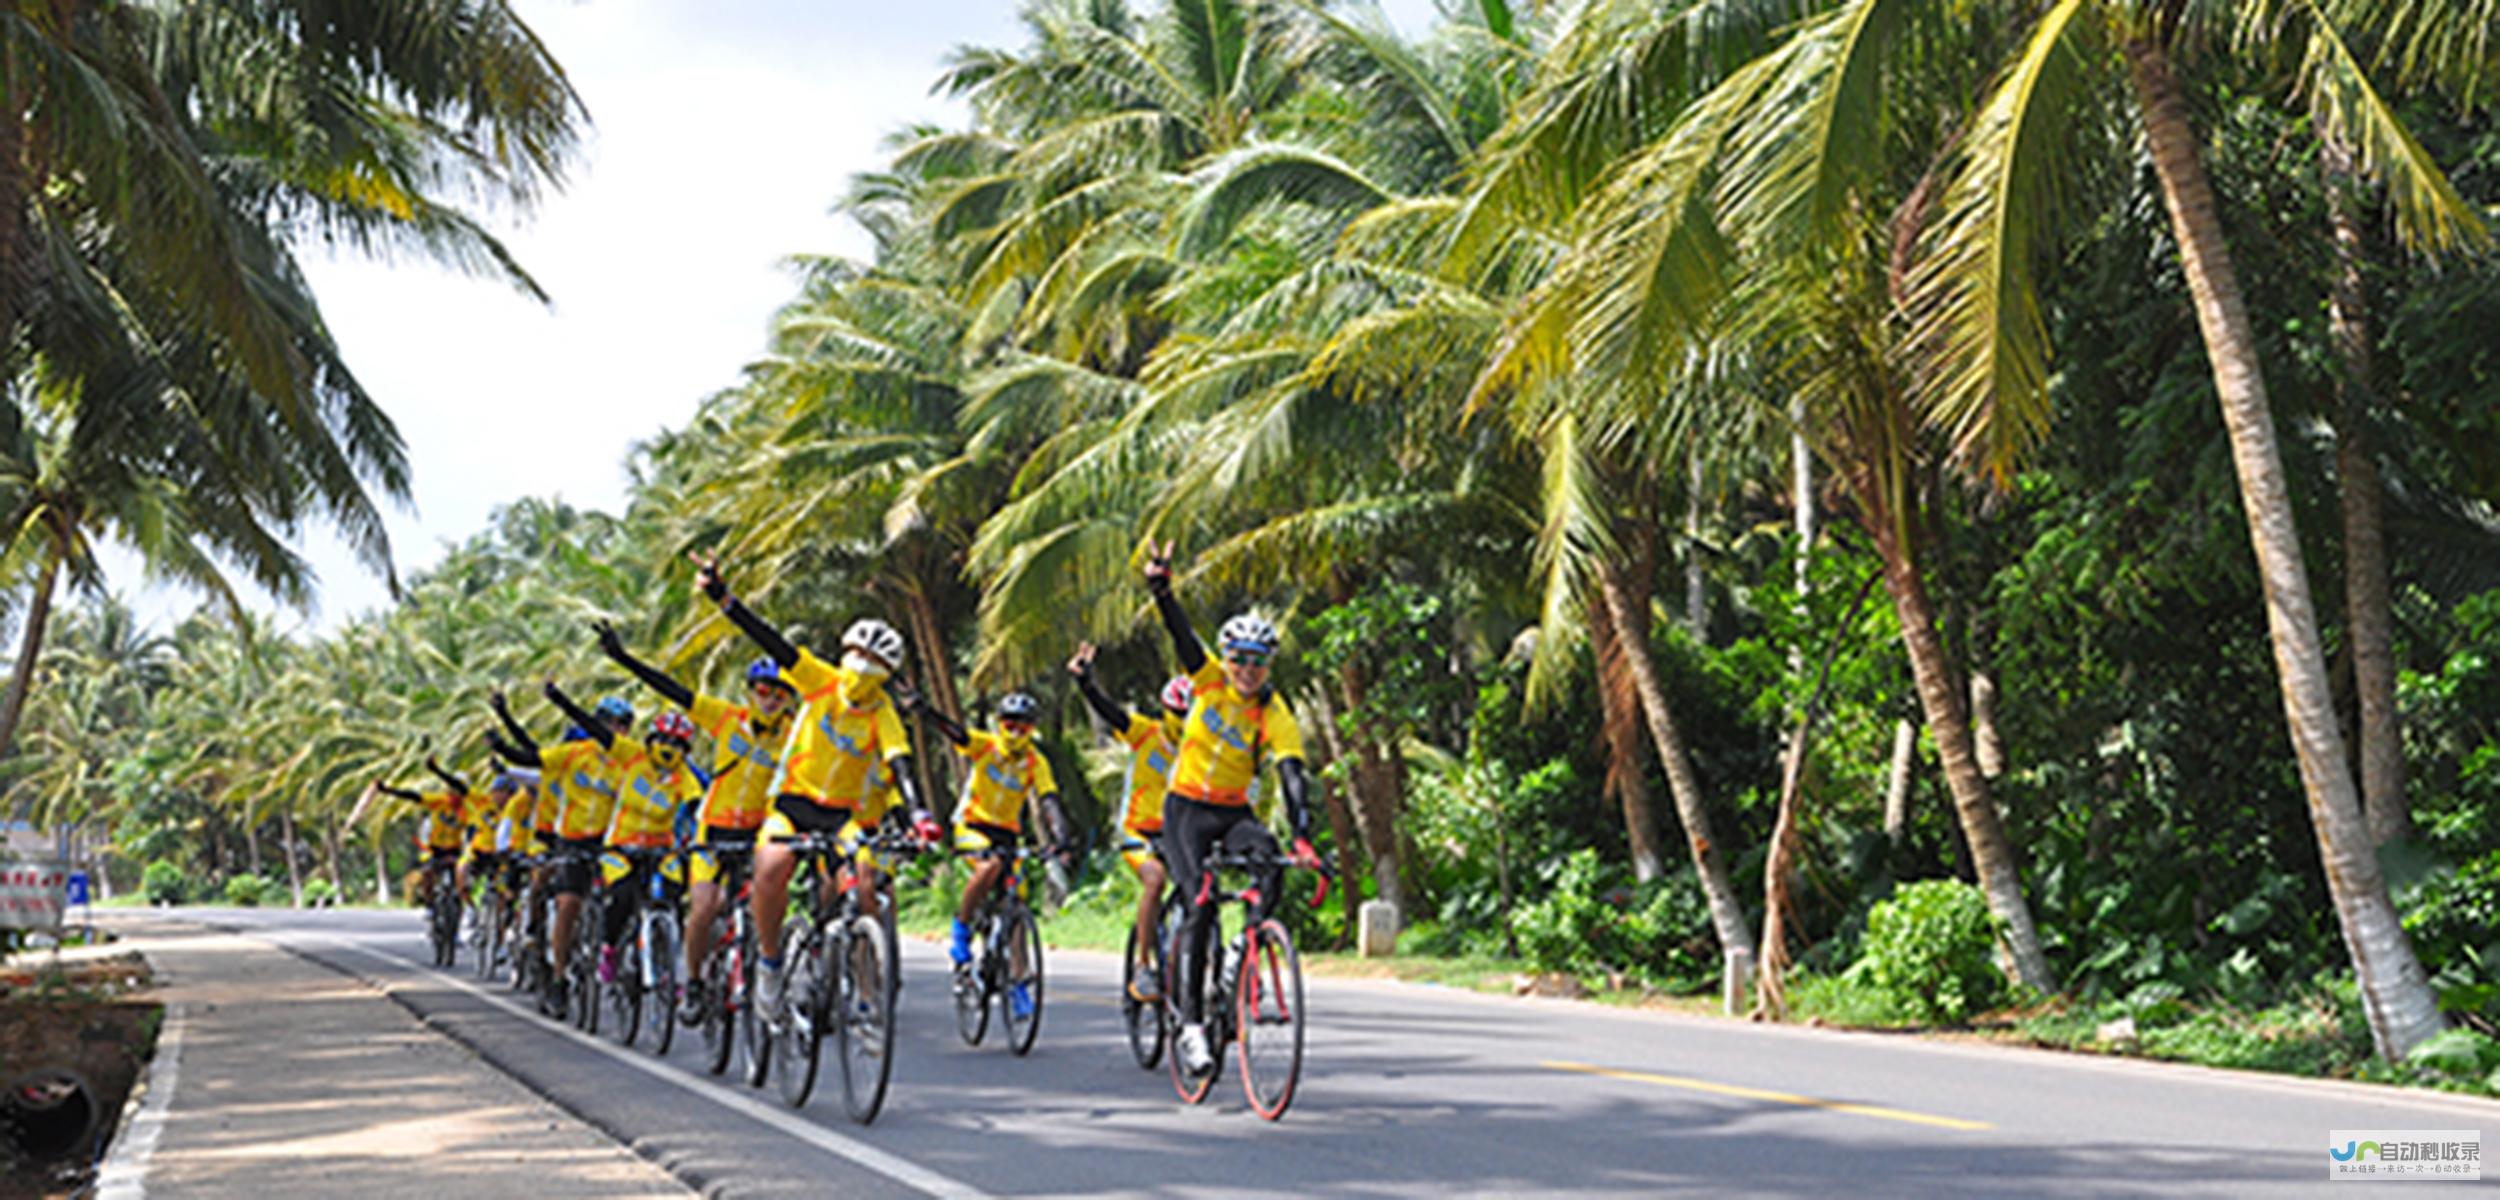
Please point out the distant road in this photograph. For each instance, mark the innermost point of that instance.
(1416, 1091)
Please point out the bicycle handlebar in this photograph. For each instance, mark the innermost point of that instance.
(1220, 859)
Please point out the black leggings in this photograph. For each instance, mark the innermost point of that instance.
(626, 897)
(1190, 830)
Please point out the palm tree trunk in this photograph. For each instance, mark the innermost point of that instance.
(1619, 698)
(1379, 777)
(2401, 1007)
(1696, 588)
(1341, 824)
(381, 872)
(338, 878)
(294, 873)
(1931, 665)
(2367, 604)
(1897, 780)
(1624, 601)
(30, 639)
(935, 770)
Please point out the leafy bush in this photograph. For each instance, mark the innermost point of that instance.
(1589, 921)
(2463, 1053)
(1930, 952)
(162, 883)
(246, 891)
(320, 893)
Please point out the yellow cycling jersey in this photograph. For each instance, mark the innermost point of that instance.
(746, 753)
(581, 774)
(1003, 779)
(446, 815)
(550, 803)
(483, 816)
(1226, 735)
(513, 832)
(647, 800)
(1149, 772)
(845, 732)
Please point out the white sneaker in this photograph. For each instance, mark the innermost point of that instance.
(768, 994)
(1193, 1050)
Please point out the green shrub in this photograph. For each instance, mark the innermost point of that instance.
(2464, 1053)
(320, 893)
(246, 891)
(1589, 921)
(162, 883)
(1930, 952)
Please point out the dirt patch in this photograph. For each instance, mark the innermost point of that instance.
(60, 1024)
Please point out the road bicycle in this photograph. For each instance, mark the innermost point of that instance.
(491, 919)
(838, 971)
(534, 910)
(725, 980)
(443, 910)
(641, 993)
(1256, 1006)
(1006, 960)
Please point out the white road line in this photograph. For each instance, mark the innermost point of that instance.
(124, 1176)
(894, 1167)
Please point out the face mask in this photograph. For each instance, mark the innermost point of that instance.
(667, 756)
(868, 669)
(1174, 725)
(1017, 743)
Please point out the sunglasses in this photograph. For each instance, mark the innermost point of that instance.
(1247, 658)
(1012, 725)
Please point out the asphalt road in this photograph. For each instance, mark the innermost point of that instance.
(1414, 1091)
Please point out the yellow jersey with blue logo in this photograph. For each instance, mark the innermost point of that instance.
(1226, 736)
(446, 818)
(1149, 774)
(483, 817)
(550, 804)
(837, 750)
(647, 799)
(1002, 781)
(746, 754)
(579, 773)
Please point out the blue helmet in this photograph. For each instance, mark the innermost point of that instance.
(614, 708)
(765, 670)
(575, 733)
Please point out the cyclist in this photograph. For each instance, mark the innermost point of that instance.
(441, 824)
(746, 749)
(1151, 744)
(1007, 770)
(582, 779)
(652, 784)
(829, 780)
(1235, 721)
(480, 809)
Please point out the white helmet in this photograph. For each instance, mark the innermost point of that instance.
(1249, 631)
(876, 637)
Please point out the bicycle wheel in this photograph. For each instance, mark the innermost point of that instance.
(489, 936)
(754, 1036)
(585, 980)
(1144, 1020)
(624, 993)
(803, 1010)
(1268, 1015)
(446, 921)
(1020, 968)
(660, 1013)
(719, 1013)
(866, 1021)
(972, 996)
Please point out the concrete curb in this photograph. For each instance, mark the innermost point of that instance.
(142, 1123)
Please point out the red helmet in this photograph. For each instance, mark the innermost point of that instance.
(673, 725)
(1176, 694)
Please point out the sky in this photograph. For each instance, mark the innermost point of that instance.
(721, 132)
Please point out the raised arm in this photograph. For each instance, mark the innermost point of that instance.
(520, 737)
(458, 786)
(652, 677)
(578, 715)
(521, 756)
(909, 702)
(707, 577)
(398, 793)
(1185, 644)
(1110, 710)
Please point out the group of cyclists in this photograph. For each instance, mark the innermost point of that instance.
(813, 769)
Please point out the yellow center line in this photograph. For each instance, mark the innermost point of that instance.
(1729, 1089)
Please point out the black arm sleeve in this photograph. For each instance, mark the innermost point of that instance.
(397, 793)
(1104, 706)
(520, 737)
(761, 632)
(908, 784)
(1185, 644)
(595, 727)
(459, 786)
(952, 729)
(1296, 779)
(526, 756)
(656, 679)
